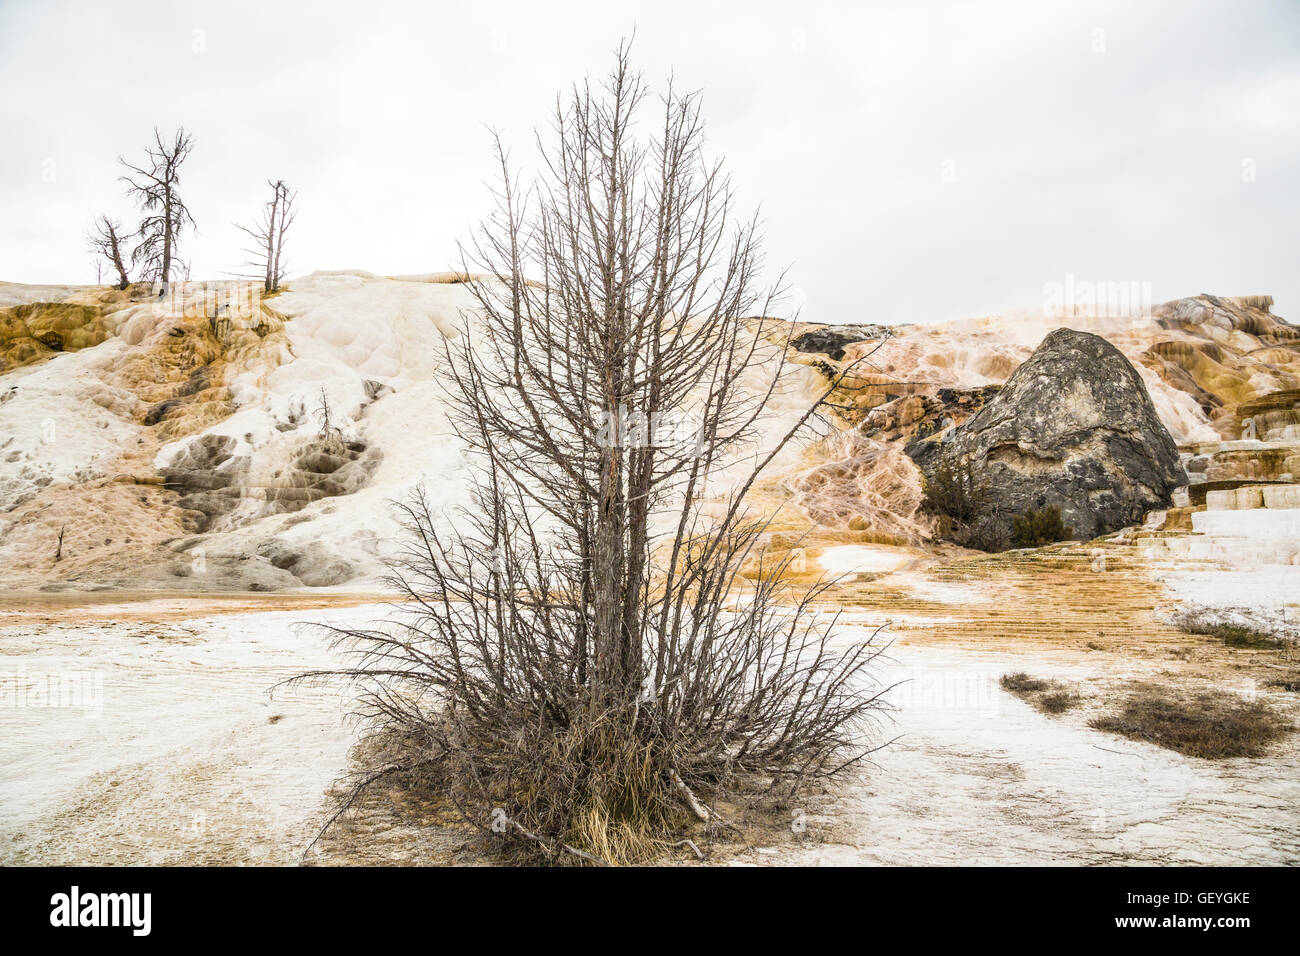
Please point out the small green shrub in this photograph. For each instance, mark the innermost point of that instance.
(950, 492)
(968, 515)
(1037, 527)
(965, 513)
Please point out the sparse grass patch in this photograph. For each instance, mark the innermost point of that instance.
(1022, 683)
(1212, 725)
(1235, 636)
(1056, 702)
(1048, 696)
(1232, 634)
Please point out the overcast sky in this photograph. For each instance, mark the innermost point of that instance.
(913, 161)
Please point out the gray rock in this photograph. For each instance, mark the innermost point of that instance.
(831, 339)
(1074, 428)
(376, 390)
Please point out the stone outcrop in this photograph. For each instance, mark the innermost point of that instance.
(831, 339)
(35, 331)
(1073, 428)
(914, 417)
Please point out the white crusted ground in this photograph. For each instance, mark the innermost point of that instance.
(174, 753)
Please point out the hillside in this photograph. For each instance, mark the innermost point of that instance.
(217, 440)
(181, 449)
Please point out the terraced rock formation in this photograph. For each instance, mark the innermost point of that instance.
(180, 443)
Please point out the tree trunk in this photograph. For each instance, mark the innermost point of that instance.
(272, 247)
(167, 237)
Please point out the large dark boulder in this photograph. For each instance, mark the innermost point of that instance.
(1074, 428)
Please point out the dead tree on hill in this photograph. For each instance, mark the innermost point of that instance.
(109, 245)
(268, 234)
(155, 188)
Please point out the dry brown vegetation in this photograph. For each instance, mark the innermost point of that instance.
(1051, 697)
(1232, 634)
(1212, 725)
(1056, 702)
(1022, 683)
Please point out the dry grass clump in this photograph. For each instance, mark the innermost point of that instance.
(1022, 683)
(1212, 725)
(569, 785)
(1051, 697)
(1056, 702)
(1232, 634)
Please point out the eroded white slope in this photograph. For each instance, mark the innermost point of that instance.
(368, 348)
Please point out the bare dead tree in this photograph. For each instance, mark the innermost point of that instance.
(155, 188)
(329, 434)
(262, 232)
(288, 213)
(108, 244)
(268, 234)
(598, 643)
